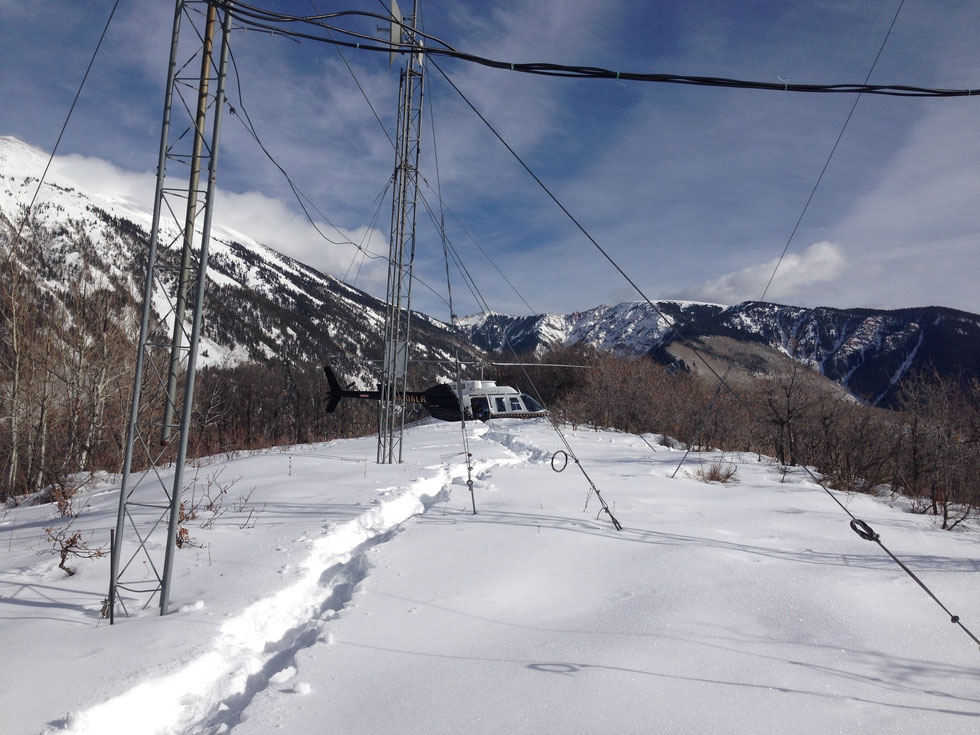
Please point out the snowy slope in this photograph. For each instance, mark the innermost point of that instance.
(361, 598)
(632, 327)
(260, 304)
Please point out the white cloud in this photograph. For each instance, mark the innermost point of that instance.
(108, 180)
(270, 222)
(818, 265)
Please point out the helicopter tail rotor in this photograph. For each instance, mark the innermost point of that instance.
(335, 393)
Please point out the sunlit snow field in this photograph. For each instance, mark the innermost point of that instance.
(365, 598)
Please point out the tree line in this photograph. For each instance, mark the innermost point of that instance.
(67, 361)
(928, 449)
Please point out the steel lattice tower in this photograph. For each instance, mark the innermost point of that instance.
(401, 251)
(146, 532)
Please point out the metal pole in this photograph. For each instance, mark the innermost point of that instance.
(112, 580)
(147, 293)
(391, 407)
(411, 171)
(185, 258)
(202, 267)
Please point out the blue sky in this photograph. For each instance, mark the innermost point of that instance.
(694, 191)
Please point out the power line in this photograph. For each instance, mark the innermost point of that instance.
(440, 226)
(358, 83)
(479, 247)
(300, 195)
(250, 128)
(260, 19)
(833, 150)
(40, 182)
(858, 525)
(452, 312)
(252, 15)
(551, 195)
(485, 307)
(796, 227)
(363, 249)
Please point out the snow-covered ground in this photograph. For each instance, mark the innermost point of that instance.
(361, 598)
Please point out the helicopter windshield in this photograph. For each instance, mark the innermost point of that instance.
(530, 403)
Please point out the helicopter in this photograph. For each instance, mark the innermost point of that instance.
(481, 400)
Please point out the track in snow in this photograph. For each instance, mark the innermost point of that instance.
(209, 693)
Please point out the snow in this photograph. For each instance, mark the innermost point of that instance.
(903, 368)
(338, 595)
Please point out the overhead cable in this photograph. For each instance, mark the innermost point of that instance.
(485, 308)
(358, 83)
(300, 195)
(833, 150)
(453, 321)
(259, 19)
(251, 16)
(796, 227)
(856, 523)
(40, 182)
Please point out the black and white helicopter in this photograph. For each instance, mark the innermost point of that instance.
(480, 400)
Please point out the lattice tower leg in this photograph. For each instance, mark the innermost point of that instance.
(149, 502)
(401, 255)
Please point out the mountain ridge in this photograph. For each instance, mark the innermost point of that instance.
(264, 306)
(867, 351)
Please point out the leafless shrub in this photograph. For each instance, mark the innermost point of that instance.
(927, 449)
(69, 544)
(207, 504)
(719, 470)
(63, 494)
(938, 457)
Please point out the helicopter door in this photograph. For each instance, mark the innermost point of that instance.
(481, 408)
(501, 406)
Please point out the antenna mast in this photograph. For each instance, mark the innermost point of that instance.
(401, 250)
(176, 272)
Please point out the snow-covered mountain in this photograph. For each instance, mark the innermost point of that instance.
(260, 304)
(867, 351)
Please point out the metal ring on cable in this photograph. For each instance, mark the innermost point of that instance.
(555, 456)
(863, 530)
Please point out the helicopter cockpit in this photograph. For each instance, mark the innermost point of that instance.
(484, 399)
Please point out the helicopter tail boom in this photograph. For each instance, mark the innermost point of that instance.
(439, 400)
(336, 392)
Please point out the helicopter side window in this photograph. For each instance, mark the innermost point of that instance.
(532, 405)
(501, 406)
(515, 404)
(481, 408)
